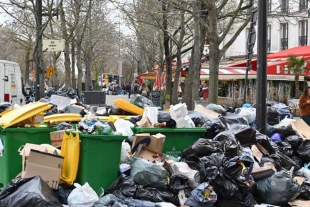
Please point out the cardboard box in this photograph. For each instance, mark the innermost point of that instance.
(57, 138)
(39, 118)
(154, 142)
(149, 155)
(302, 128)
(206, 111)
(45, 165)
(265, 171)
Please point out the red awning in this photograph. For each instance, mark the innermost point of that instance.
(298, 51)
(228, 71)
(243, 64)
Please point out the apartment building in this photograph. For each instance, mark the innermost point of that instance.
(288, 26)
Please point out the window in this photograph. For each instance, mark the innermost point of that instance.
(284, 5)
(269, 2)
(284, 36)
(303, 4)
(303, 33)
(269, 38)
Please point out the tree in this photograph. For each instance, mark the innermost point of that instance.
(223, 18)
(297, 66)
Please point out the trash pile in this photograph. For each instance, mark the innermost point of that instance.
(211, 156)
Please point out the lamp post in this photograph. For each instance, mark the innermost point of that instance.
(119, 56)
(261, 67)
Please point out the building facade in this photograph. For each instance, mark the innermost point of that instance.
(288, 26)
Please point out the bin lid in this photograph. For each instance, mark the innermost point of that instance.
(63, 117)
(129, 107)
(22, 113)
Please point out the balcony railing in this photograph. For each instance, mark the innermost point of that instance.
(303, 40)
(268, 45)
(284, 43)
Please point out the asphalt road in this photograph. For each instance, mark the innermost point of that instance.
(110, 98)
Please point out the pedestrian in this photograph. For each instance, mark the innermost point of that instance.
(135, 88)
(144, 91)
(205, 92)
(128, 88)
(304, 105)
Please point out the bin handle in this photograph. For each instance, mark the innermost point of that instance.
(20, 149)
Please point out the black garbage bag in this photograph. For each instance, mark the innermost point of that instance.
(228, 143)
(28, 192)
(305, 190)
(287, 131)
(130, 202)
(298, 161)
(210, 166)
(231, 118)
(135, 119)
(277, 189)
(245, 134)
(63, 194)
(63, 126)
(233, 169)
(273, 116)
(71, 93)
(124, 186)
(304, 150)
(225, 187)
(243, 185)
(213, 126)
(274, 159)
(270, 130)
(217, 108)
(294, 140)
(163, 116)
(285, 148)
(171, 123)
(155, 195)
(198, 118)
(107, 200)
(248, 201)
(286, 162)
(197, 197)
(202, 147)
(141, 101)
(245, 161)
(4, 106)
(264, 141)
(178, 182)
(114, 110)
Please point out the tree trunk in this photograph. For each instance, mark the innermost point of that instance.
(167, 54)
(67, 47)
(297, 86)
(192, 80)
(176, 83)
(27, 60)
(79, 65)
(73, 64)
(215, 57)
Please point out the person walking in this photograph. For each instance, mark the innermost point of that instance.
(128, 88)
(144, 91)
(205, 92)
(135, 88)
(304, 105)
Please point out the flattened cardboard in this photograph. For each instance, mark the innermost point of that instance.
(45, 165)
(144, 122)
(149, 155)
(57, 138)
(265, 171)
(39, 118)
(140, 137)
(299, 203)
(257, 154)
(302, 128)
(157, 142)
(206, 111)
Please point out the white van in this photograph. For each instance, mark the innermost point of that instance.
(10, 83)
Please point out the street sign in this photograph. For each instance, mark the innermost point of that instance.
(53, 45)
(50, 71)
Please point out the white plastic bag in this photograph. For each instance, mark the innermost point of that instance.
(83, 196)
(1, 147)
(124, 153)
(123, 127)
(305, 170)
